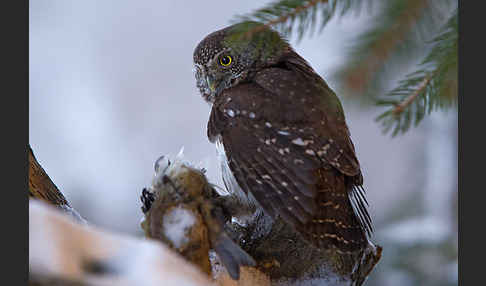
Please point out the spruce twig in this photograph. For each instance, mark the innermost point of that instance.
(383, 50)
(405, 103)
(283, 18)
(393, 39)
(284, 15)
(433, 86)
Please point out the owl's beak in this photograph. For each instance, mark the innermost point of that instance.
(212, 83)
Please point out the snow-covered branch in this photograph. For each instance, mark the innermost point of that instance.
(181, 223)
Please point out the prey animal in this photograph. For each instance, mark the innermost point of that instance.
(283, 136)
(183, 210)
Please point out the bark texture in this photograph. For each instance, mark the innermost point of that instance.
(41, 186)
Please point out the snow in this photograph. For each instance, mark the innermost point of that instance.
(418, 230)
(177, 223)
(59, 246)
(74, 213)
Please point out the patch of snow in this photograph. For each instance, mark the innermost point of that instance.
(176, 223)
(73, 213)
(418, 230)
(60, 247)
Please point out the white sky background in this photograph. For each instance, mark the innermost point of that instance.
(112, 88)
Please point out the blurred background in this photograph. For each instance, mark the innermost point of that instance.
(112, 88)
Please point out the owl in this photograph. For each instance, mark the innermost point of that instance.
(283, 136)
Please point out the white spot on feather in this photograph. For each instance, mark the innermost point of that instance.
(299, 141)
(298, 161)
(230, 112)
(310, 152)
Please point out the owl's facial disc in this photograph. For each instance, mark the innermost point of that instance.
(209, 85)
(202, 83)
(216, 75)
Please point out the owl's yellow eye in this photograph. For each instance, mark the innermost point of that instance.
(225, 61)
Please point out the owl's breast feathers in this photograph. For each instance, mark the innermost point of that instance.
(287, 143)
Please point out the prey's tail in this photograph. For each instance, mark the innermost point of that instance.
(232, 256)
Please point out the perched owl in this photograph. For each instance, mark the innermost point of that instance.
(284, 136)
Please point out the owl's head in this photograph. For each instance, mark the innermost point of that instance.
(229, 56)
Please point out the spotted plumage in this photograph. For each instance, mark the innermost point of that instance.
(285, 138)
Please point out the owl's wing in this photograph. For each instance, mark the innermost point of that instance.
(283, 154)
(312, 104)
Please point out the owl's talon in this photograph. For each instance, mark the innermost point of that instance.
(270, 263)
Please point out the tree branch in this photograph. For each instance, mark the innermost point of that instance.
(41, 186)
(379, 45)
(407, 101)
(283, 18)
(282, 256)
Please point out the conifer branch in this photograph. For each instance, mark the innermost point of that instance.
(387, 47)
(284, 15)
(284, 18)
(391, 40)
(405, 103)
(433, 86)
(41, 186)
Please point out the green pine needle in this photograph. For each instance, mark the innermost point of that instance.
(432, 87)
(394, 38)
(298, 16)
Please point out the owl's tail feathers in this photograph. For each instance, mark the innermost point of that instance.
(342, 220)
(232, 256)
(358, 201)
